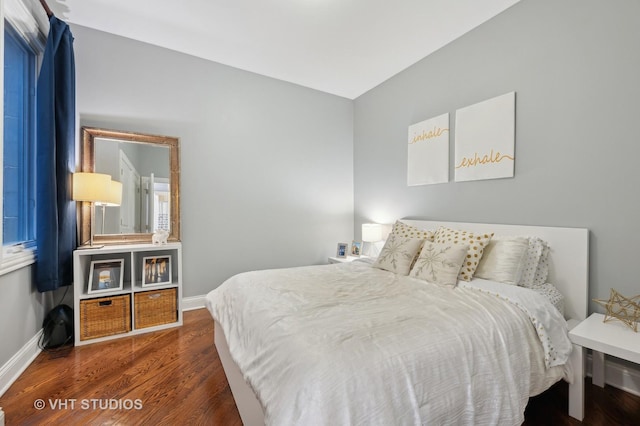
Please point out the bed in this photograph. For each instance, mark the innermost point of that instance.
(354, 344)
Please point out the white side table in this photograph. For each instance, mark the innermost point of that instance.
(347, 259)
(611, 338)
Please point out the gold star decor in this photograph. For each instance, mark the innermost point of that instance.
(625, 309)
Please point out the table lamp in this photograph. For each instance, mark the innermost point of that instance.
(93, 188)
(374, 233)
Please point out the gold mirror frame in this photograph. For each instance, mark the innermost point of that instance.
(89, 134)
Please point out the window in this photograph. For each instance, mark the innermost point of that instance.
(18, 178)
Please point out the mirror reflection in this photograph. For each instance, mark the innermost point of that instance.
(144, 172)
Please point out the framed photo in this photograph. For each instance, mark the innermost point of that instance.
(156, 270)
(105, 275)
(356, 247)
(343, 248)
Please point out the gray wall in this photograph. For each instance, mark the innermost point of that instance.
(266, 166)
(22, 310)
(575, 67)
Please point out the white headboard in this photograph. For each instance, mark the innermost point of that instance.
(568, 256)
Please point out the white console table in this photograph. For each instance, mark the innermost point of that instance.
(611, 338)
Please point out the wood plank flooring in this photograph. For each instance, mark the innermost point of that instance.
(175, 377)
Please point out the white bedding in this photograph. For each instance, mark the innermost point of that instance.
(351, 344)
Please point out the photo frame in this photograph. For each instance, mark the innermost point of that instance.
(105, 275)
(356, 248)
(156, 270)
(343, 249)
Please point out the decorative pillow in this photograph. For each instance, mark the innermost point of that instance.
(534, 254)
(397, 254)
(440, 263)
(401, 229)
(503, 260)
(477, 243)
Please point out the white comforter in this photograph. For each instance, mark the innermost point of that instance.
(351, 344)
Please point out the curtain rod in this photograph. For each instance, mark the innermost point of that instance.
(46, 8)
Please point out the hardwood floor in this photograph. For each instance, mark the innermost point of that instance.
(175, 377)
(175, 374)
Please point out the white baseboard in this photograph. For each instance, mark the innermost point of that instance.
(191, 303)
(13, 368)
(1, 417)
(619, 375)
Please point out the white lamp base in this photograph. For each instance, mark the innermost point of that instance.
(372, 249)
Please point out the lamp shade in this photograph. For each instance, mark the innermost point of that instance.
(115, 194)
(92, 187)
(373, 232)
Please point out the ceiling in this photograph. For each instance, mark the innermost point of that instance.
(342, 47)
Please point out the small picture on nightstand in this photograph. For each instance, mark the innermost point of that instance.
(356, 246)
(343, 248)
(105, 275)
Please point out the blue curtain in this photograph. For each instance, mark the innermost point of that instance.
(55, 160)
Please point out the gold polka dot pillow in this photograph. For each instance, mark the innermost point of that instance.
(477, 242)
(403, 230)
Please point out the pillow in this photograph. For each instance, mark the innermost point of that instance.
(477, 243)
(552, 293)
(534, 254)
(542, 271)
(408, 231)
(440, 263)
(503, 260)
(397, 254)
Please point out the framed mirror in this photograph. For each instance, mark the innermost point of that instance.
(148, 166)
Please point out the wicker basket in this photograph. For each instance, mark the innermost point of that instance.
(105, 316)
(155, 307)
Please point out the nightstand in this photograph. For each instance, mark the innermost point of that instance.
(611, 338)
(347, 259)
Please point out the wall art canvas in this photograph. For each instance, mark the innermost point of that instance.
(485, 139)
(428, 153)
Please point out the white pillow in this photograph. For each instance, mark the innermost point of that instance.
(440, 263)
(542, 271)
(397, 254)
(534, 253)
(503, 260)
(552, 293)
